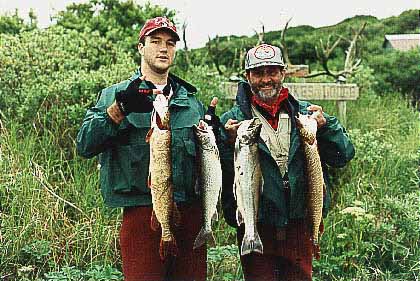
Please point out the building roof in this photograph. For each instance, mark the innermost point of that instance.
(402, 42)
(391, 37)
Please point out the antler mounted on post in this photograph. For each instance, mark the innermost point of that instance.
(282, 44)
(184, 39)
(260, 35)
(351, 62)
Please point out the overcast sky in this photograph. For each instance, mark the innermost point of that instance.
(234, 17)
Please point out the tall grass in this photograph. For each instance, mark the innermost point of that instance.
(54, 224)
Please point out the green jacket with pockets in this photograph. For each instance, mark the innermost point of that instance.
(335, 150)
(124, 154)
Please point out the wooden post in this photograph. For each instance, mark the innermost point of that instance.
(341, 106)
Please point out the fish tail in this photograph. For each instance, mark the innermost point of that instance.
(251, 244)
(154, 223)
(316, 250)
(315, 241)
(149, 181)
(168, 248)
(204, 236)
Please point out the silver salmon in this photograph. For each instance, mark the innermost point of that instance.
(210, 180)
(165, 213)
(248, 183)
(315, 194)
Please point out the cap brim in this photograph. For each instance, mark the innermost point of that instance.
(166, 28)
(264, 63)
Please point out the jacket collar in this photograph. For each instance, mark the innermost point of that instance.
(180, 88)
(175, 81)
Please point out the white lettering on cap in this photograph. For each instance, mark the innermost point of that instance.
(264, 52)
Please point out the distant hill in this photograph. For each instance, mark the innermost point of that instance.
(301, 40)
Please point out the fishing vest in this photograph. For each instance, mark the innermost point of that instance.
(277, 141)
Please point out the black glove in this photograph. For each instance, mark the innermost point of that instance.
(213, 120)
(134, 99)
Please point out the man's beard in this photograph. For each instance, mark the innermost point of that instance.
(267, 96)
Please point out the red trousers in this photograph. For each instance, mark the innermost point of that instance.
(283, 260)
(140, 247)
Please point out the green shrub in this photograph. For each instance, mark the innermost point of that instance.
(49, 77)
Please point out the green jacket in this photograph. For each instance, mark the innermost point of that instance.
(124, 154)
(335, 150)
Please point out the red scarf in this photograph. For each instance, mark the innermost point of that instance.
(272, 110)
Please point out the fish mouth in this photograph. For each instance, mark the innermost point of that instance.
(254, 124)
(251, 132)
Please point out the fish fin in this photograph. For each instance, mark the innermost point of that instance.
(149, 135)
(262, 185)
(149, 181)
(236, 151)
(176, 215)
(197, 188)
(203, 237)
(239, 218)
(198, 181)
(168, 248)
(251, 244)
(215, 216)
(234, 191)
(154, 222)
(236, 184)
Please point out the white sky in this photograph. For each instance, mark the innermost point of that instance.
(234, 17)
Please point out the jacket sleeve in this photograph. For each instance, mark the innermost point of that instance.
(226, 158)
(97, 129)
(334, 143)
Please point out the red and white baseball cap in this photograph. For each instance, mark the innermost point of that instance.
(157, 23)
(264, 54)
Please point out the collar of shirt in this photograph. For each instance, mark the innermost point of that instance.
(271, 109)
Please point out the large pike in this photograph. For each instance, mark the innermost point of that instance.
(248, 183)
(307, 128)
(210, 180)
(165, 212)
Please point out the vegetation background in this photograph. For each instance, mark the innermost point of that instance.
(54, 225)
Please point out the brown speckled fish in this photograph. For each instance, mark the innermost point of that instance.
(315, 194)
(165, 212)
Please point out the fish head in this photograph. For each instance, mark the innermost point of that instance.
(160, 115)
(307, 126)
(249, 131)
(161, 105)
(205, 135)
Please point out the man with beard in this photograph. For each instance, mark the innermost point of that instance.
(115, 129)
(282, 221)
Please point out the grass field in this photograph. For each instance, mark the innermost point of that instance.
(54, 225)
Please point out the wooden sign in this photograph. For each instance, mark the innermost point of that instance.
(323, 91)
(311, 92)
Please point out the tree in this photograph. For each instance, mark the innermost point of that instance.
(398, 71)
(13, 24)
(118, 21)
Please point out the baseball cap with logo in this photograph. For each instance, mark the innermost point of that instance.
(264, 55)
(157, 23)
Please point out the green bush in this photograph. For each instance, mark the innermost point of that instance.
(50, 77)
